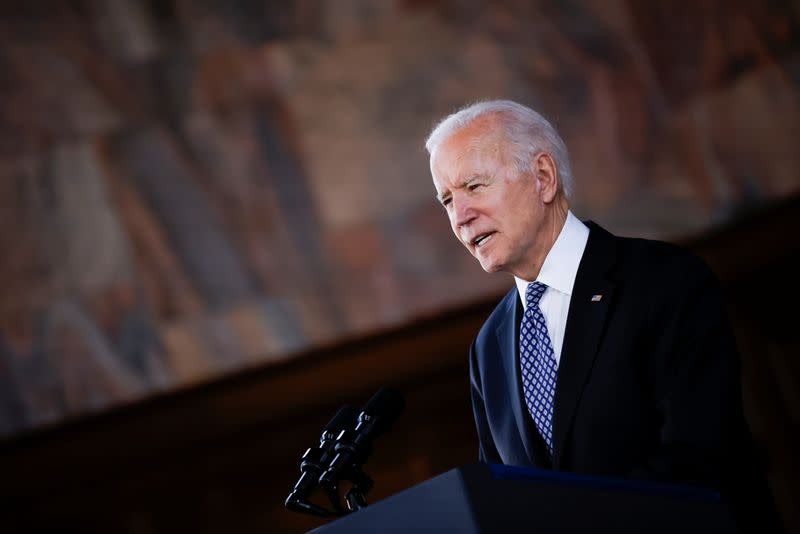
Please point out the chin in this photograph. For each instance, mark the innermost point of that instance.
(490, 266)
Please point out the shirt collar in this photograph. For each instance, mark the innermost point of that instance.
(560, 267)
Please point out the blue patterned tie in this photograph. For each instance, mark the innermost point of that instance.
(538, 364)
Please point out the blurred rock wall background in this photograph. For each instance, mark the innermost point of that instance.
(193, 188)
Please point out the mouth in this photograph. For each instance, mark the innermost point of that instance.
(482, 239)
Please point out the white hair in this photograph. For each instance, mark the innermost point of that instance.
(526, 133)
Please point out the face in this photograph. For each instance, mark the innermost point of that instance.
(495, 211)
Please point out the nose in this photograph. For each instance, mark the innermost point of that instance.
(463, 211)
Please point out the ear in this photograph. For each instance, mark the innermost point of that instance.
(546, 173)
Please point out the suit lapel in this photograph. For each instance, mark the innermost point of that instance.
(507, 338)
(585, 326)
(508, 341)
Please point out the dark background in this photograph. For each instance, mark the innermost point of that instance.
(217, 225)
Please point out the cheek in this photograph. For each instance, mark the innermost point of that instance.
(454, 229)
(452, 223)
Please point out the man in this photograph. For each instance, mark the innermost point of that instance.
(610, 356)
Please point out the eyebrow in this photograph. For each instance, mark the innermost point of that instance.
(465, 183)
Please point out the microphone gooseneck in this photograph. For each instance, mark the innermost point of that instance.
(344, 446)
(316, 459)
(354, 446)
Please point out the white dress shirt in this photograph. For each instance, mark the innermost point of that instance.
(558, 273)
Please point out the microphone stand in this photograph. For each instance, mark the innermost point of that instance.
(314, 462)
(342, 458)
(356, 497)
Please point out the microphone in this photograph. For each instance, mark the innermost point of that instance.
(316, 459)
(354, 446)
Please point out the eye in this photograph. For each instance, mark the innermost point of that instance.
(446, 201)
(473, 187)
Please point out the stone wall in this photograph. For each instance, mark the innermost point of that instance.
(189, 189)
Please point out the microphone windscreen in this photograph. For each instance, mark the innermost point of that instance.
(387, 404)
(345, 419)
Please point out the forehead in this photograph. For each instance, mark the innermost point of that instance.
(477, 145)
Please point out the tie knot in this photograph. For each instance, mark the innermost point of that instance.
(534, 292)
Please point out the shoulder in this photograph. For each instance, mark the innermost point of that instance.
(660, 252)
(662, 276)
(666, 262)
(652, 260)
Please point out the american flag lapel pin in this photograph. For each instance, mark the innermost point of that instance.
(597, 298)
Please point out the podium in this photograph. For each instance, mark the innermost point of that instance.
(483, 498)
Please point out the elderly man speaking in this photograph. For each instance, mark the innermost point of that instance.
(611, 356)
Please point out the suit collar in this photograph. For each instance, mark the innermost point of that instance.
(592, 297)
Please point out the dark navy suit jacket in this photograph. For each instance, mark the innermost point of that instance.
(648, 381)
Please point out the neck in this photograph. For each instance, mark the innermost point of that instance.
(553, 223)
